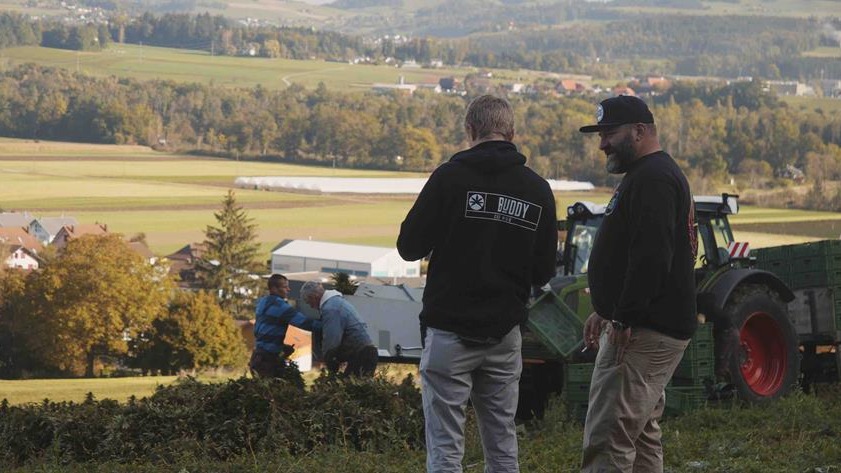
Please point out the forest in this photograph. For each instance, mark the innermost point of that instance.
(713, 130)
(765, 47)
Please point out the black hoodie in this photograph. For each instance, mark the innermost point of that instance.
(490, 224)
(641, 269)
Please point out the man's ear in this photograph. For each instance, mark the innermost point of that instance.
(469, 130)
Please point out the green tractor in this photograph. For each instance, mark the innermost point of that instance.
(756, 347)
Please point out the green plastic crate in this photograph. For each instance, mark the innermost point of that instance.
(816, 248)
(699, 350)
(558, 327)
(811, 279)
(682, 399)
(771, 253)
(579, 372)
(776, 266)
(833, 261)
(695, 369)
(808, 264)
(577, 392)
(837, 314)
(704, 333)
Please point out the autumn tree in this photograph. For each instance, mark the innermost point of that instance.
(229, 263)
(194, 334)
(89, 302)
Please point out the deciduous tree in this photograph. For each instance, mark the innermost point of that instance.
(194, 334)
(89, 302)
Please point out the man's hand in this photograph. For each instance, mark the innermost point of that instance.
(592, 330)
(619, 338)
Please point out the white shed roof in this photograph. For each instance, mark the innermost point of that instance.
(333, 251)
(365, 185)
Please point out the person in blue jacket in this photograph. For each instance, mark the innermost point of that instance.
(273, 316)
(344, 335)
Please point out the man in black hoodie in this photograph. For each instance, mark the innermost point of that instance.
(642, 284)
(489, 222)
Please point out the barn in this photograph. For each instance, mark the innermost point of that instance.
(298, 256)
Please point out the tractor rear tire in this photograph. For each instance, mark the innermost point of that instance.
(766, 364)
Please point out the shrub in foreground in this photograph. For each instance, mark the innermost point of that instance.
(217, 421)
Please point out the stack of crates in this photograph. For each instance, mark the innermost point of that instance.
(577, 389)
(815, 264)
(687, 389)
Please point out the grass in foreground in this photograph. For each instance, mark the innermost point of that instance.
(797, 434)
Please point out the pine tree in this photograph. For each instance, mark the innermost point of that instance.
(229, 264)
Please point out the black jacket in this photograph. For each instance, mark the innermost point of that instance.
(641, 269)
(490, 224)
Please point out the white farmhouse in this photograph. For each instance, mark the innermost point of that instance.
(298, 256)
(21, 258)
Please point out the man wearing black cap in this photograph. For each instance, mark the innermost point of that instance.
(641, 276)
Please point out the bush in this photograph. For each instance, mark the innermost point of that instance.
(217, 421)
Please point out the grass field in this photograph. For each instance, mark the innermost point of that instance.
(828, 105)
(824, 52)
(120, 389)
(172, 198)
(181, 65)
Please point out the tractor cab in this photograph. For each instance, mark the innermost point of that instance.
(715, 236)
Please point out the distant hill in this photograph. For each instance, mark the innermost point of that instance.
(350, 4)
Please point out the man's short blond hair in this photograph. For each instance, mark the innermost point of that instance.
(487, 115)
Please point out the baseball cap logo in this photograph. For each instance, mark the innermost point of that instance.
(599, 113)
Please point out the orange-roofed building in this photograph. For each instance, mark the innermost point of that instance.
(70, 232)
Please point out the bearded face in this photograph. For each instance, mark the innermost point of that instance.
(620, 155)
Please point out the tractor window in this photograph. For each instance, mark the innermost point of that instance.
(715, 235)
(582, 240)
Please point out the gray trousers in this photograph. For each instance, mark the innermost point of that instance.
(622, 433)
(489, 376)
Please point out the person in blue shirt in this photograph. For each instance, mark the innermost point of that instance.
(273, 316)
(344, 338)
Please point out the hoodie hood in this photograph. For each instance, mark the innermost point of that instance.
(490, 157)
(328, 294)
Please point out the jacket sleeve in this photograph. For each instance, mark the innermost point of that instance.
(285, 313)
(332, 331)
(652, 214)
(418, 230)
(546, 243)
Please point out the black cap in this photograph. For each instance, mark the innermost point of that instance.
(619, 110)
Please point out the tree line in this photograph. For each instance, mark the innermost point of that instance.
(715, 130)
(766, 47)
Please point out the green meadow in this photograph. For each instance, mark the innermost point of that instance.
(171, 198)
(181, 65)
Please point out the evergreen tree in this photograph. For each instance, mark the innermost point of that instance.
(229, 264)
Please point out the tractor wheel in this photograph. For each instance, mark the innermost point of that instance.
(766, 363)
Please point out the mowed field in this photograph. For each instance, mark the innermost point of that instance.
(182, 65)
(172, 198)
